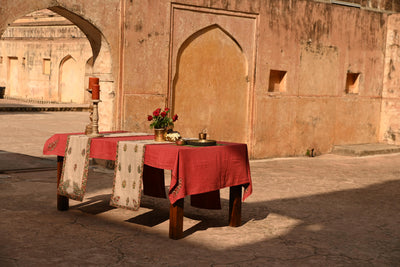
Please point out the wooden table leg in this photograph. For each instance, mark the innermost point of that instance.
(62, 201)
(176, 219)
(235, 206)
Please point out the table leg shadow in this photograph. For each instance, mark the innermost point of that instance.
(175, 210)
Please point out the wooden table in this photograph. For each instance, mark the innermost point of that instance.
(194, 171)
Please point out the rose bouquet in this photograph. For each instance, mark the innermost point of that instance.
(160, 119)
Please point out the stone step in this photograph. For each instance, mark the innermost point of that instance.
(41, 108)
(360, 150)
(18, 105)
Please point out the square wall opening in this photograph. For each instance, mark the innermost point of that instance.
(277, 81)
(352, 83)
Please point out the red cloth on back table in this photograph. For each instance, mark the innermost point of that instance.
(195, 170)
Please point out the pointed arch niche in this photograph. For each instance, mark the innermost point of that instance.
(210, 86)
(70, 89)
(212, 72)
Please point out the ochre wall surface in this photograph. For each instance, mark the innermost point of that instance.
(313, 46)
(218, 94)
(390, 119)
(317, 45)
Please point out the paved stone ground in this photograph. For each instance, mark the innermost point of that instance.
(26, 132)
(330, 210)
(17, 105)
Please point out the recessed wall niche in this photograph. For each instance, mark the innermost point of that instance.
(277, 81)
(352, 83)
(213, 61)
(46, 66)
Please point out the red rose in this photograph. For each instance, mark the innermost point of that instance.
(175, 117)
(163, 114)
(149, 117)
(156, 112)
(166, 109)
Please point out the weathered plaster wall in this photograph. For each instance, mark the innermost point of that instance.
(203, 94)
(390, 121)
(315, 44)
(145, 67)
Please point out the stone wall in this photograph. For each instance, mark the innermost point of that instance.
(390, 120)
(317, 45)
(282, 76)
(312, 77)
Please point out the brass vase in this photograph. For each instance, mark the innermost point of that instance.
(159, 134)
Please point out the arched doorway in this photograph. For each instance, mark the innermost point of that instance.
(41, 84)
(38, 45)
(70, 84)
(101, 62)
(210, 89)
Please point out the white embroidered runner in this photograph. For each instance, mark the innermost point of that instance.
(128, 173)
(128, 183)
(76, 164)
(75, 169)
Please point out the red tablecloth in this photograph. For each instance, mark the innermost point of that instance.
(101, 148)
(195, 170)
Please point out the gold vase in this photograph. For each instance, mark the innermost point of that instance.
(159, 135)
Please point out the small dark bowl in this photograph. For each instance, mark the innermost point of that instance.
(180, 142)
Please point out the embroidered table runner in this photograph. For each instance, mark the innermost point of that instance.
(76, 165)
(75, 169)
(128, 175)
